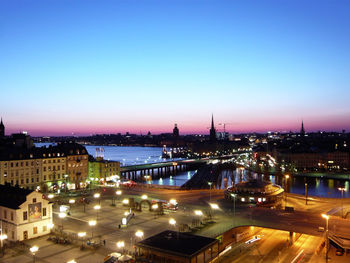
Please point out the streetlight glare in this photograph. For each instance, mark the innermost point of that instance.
(97, 195)
(71, 261)
(97, 207)
(118, 192)
(139, 234)
(120, 244)
(198, 212)
(155, 206)
(214, 206)
(325, 216)
(172, 221)
(3, 237)
(126, 201)
(50, 225)
(34, 249)
(144, 197)
(82, 234)
(71, 201)
(173, 201)
(92, 222)
(50, 196)
(62, 215)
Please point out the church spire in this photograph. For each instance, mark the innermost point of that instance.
(302, 130)
(212, 129)
(2, 129)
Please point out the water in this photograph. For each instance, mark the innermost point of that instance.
(131, 155)
(126, 155)
(321, 187)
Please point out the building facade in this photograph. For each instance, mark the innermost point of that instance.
(103, 170)
(24, 214)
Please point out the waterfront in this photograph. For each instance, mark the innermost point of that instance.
(130, 155)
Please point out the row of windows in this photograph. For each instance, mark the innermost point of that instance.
(16, 182)
(22, 174)
(54, 168)
(54, 161)
(21, 164)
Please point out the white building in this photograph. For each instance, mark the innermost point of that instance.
(24, 214)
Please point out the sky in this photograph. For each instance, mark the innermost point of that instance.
(87, 67)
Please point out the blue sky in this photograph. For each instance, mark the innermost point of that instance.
(115, 66)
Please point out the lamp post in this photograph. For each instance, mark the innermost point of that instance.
(2, 238)
(97, 196)
(210, 183)
(305, 193)
(342, 189)
(327, 244)
(82, 235)
(97, 208)
(285, 188)
(174, 167)
(34, 249)
(121, 245)
(62, 215)
(234, 204)
(92, 223)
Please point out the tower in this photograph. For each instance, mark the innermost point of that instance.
(302, 130)
(212, 130)
(176, 131)
(2, 129)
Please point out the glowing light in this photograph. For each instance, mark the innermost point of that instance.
(34, 249)
(81, 234)
(139, 234)
(214, 206)
(92, 223)
(198, 212)
(120, 244)
(172, 221)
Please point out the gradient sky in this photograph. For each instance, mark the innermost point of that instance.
(114, 66)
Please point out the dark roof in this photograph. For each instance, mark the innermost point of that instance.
(181, 244)
(12, 196)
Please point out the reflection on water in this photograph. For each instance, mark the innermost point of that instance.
(315, 186)
(177, 180)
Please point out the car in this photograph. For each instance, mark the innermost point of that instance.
(339, 252)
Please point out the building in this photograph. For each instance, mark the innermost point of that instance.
(256, 192)
(2, 129)
(46, 168)
(101, 170)
(24, 214)
(176, 131)
(177, 247)
(302, 130)
(212, 135)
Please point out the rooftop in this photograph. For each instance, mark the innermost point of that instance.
(181, 244)
(13, 196)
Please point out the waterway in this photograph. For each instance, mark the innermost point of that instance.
(130, 155)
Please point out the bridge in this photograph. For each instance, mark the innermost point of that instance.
(164, 169)
(158, 170)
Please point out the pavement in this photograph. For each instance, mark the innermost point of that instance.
(272, 248)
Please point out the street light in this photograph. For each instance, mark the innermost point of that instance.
(81, 235)
(72, 201)
(342, 189)
(210, 183)
(34, 249)
(198, 212)
(285, 188)
(144, 197)
(92, 223)
(214, 206)
(2, 238)
(97, 208)
(71, 261)
(62, 215)
(139, 234)
(234, 204)
(121, 245)
(172, 221)
(327, 248)
(305, 193)
(97, 196)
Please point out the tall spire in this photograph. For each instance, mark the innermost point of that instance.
(302, 130)
(2, 129)
(212, 129)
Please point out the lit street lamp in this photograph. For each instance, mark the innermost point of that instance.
(285, 188)
(34, 249)
(342, 189)
(234, 204)
(305, 193)
(121, 245)
(82, 235)
(71, 261)
(62, 215)
(97, 208)
(2, 238)
(97, 196)
(92, 223)
(210, 183)
(327, 244)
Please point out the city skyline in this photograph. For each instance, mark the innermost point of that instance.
(88, 67)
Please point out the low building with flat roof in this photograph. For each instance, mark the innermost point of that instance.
(176, 247)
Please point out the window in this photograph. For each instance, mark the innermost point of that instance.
(32, 180)
(25, 215)
(27, 180)
(5, 214)
(13, 234)
(11, 216)
(44, 169)
(34, 200)
(35, 230)
(44, 211)
(44, 228)
(44, 177)
(22, 181)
